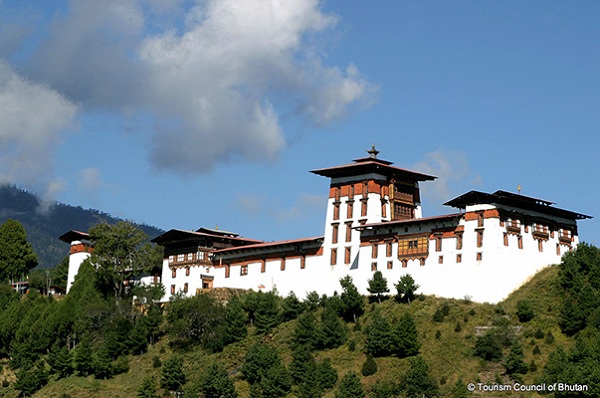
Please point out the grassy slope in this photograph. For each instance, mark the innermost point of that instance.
(449, 356)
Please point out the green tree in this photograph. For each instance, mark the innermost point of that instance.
(102, 367)
(352, 302)
(121, 251)
(406, 288)
(406, 337)
(514, 362)
(258, 358)
(16, 254)
(369, 367)
(173, 377)
(235, 322)
(60, 361)
(488, 347)
(268, 312)
(417, 382)
(378, 285)
(305, 332)
(525, 310)
(60, 274)
(266, 372)
(30, 379)
(216, 383)
(147, 389)
(303, 365)
(326, 375)
(84, 358)
(350, 387)
(291, 307)
(379, 340)
(331, 331)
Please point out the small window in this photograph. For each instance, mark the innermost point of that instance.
(333, 260)
(172, 289)
(185, 287)
(373, 266)
(350, 209)
(263, 266)
(244, 270)
(520, 242)
(479, 256)
(505, 239)
(363, 207)
(388, 249)
(283, 264)
(334, 233)
(441, 260)
(422, 261)
(459, 258)
(336, 211)
(174, 273)
(187, 271)
(479, 237)
(374, 247)
(227, 270)
(302, 262)
(348, 232)
(404, 263)
(390, 264)
(347, 255)
(438, 243)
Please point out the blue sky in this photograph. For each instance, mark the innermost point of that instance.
(184, 114)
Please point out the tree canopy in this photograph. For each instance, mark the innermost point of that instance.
(16, 254)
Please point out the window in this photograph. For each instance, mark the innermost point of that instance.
(459, 240)
(480, 219)
(302, 262)
(244, 270)
(336, 211)
(505, 239)
(374, 247)
(441, 260)
(520, 242)
(438, 243)
(172, 289)
(479, 237)
(171, 259)
(350, 209)
(388, 249)
(334, 233)
(187, 271)
(373, 267)
(263, 266)
(363, 207)
(383, 208)
(479, 256)
(540, 245)
(413, 246)
(459, 258)
(190, 257)
(422, 261)
(185, 287)
(333, 259)
(402, 211)
(348, 232)
(558, 249)
(227, 270)
(180, 258)
(174, 273)
(283, 264)
(404, 263)
(390, 264)
(200, 255)
(347, 255)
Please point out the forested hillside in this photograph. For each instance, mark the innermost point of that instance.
(45, 223)
(258, 344)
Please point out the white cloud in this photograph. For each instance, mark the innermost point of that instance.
(33, 119)
(452, 171)
(216, 80)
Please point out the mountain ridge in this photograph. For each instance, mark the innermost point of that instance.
(45, 226)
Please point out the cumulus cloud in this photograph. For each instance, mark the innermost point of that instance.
(453, 172)
(216, 79)
(33, 119)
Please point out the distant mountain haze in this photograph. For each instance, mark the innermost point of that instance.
(44, 224)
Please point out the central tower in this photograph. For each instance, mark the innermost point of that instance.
(369, 190)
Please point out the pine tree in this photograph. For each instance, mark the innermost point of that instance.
(30, 379)
(16, 254)
(406, 337)
(216, 383)
(406, 288)
(258, 358)
(332, 332)
(305, 332)
(235, 322)
(291, 307)
(515, 363)
(147, 388)
(303, 365)
(60, 361)
(84, 358)
(268, 312)
(417, 382)
(378, 285)
(326, 375)
(102, 364)
(369, 367)
(352, 302)
(350, 387)
(379, 340)
(173, 377)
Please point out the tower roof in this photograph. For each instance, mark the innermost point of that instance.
(372, 164)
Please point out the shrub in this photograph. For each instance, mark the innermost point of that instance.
(488, 347)
(369, 367)
(524, 311)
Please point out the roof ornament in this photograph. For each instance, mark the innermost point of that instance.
(373, 152)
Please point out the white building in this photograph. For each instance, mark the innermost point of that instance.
(491, 246)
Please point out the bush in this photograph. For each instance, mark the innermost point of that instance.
(441, 313)
(488, 347)
(369, 367)
(524, 311)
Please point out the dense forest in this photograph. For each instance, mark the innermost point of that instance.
(103, 341)
(45, 222)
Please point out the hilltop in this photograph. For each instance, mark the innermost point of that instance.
(44, 223)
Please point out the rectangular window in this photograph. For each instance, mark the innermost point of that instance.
(373, 267)
(347, 255)
(459, 241)
(334, 233)
(540, 245)
(479, 237)
(283, 264)
(302, 262)
(187, 271)
(185, 287)
(174, 273)
(350, 209)
(171, 259)
(390, 264)
(333, 259)
(348, 232)
(438, 243)
(200, 255)
(459, 258)
(520, 242)
(172, 289)
(336, 211)
(227, 270)
(422, 261)
(404, 263)
(180, 258)
(374, 247)
(558, 249)
(388, 249)
(479, 256)
(363, 207)
(263, 266)
(383, 208)
(480, 219)
(505, 239)
(441, 260)
(244, 270)
(413, 246)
